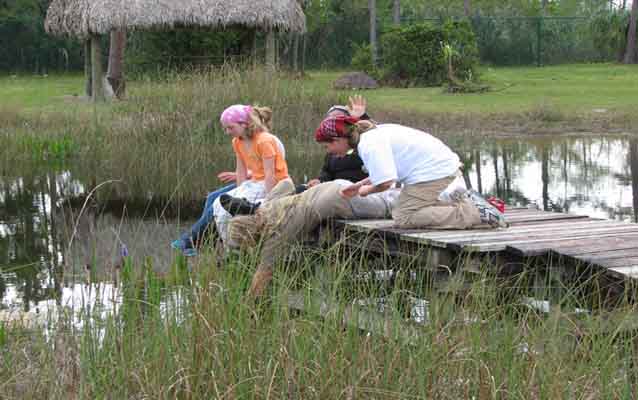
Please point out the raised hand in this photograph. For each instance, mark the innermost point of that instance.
(357, 105)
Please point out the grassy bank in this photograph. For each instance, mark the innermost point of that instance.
(522, 100)
(164, 140)
(566, 98)
(197, 336)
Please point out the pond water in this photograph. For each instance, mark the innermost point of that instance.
(48, 247)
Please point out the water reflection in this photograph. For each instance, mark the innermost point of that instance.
(48, 246)
(590, 176)
(39, 261)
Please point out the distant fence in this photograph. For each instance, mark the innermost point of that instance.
(330, 44)
(501, 40)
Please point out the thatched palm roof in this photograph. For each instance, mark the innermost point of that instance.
(83, 17)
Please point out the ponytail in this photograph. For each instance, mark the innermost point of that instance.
(359, 128)
(260, 119)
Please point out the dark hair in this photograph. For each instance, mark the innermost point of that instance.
(345, 110)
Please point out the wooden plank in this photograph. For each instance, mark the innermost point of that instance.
(503, 236)
(554, 226)
(599, 246)
(542, 217)
(616, 262)
(577, 246)
(530, 220)
(609, 254)
(550, 242)
(629, 271)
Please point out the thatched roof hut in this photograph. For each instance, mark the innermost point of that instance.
(81, 18)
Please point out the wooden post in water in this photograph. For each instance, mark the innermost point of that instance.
(479, 182)
(545, 176)
(96, 69)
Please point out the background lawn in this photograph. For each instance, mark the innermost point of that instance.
(36, 92)
(570, 88)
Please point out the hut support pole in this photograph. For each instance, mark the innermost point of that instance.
(295, 52)
(87, 67)
(254, 49)
(270, 49)
(96, 69)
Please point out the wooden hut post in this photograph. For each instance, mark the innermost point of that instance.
(96, 69)
(87, 67)
(270, 48)
(295, 52)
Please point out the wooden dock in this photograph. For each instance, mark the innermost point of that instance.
(607, 246)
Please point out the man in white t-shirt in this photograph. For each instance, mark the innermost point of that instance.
(422, 163)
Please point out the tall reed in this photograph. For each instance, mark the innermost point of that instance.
(165, 140)
(199, 337)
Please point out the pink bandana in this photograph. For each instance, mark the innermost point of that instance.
(236, 114)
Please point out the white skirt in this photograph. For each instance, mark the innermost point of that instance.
(250, 190)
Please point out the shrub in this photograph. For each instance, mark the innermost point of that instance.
(362, 59)
(413, 55)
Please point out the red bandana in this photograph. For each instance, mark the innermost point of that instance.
(335, 127)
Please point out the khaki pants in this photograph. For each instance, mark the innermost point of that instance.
(283, 188)
(419, 207)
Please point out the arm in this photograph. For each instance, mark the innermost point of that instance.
(227, 176)
(365, 190)
(241, 172)
(353, 190)
(231, 176)
(269, 171)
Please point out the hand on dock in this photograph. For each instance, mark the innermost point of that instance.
(349, 192)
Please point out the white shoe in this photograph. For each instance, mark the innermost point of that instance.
(488, 213)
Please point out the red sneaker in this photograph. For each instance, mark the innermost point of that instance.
(498, 203)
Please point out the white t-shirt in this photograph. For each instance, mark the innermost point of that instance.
(396, 152)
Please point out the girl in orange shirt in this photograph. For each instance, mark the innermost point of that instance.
(256, 150)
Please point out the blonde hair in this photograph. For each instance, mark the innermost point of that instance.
(357, 129)
(244, 230)
(260, 119)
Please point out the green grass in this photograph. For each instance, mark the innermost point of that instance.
(40, 93)
(571, 88)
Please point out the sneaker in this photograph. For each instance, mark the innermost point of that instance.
(453, 196)
(181, 246)
(300, 188)
(488, 213)
(237, 206)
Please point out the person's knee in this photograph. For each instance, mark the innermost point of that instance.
(401, 219)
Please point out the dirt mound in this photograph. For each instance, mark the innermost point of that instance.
(355, 80)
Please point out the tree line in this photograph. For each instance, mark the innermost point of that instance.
(335, 28)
